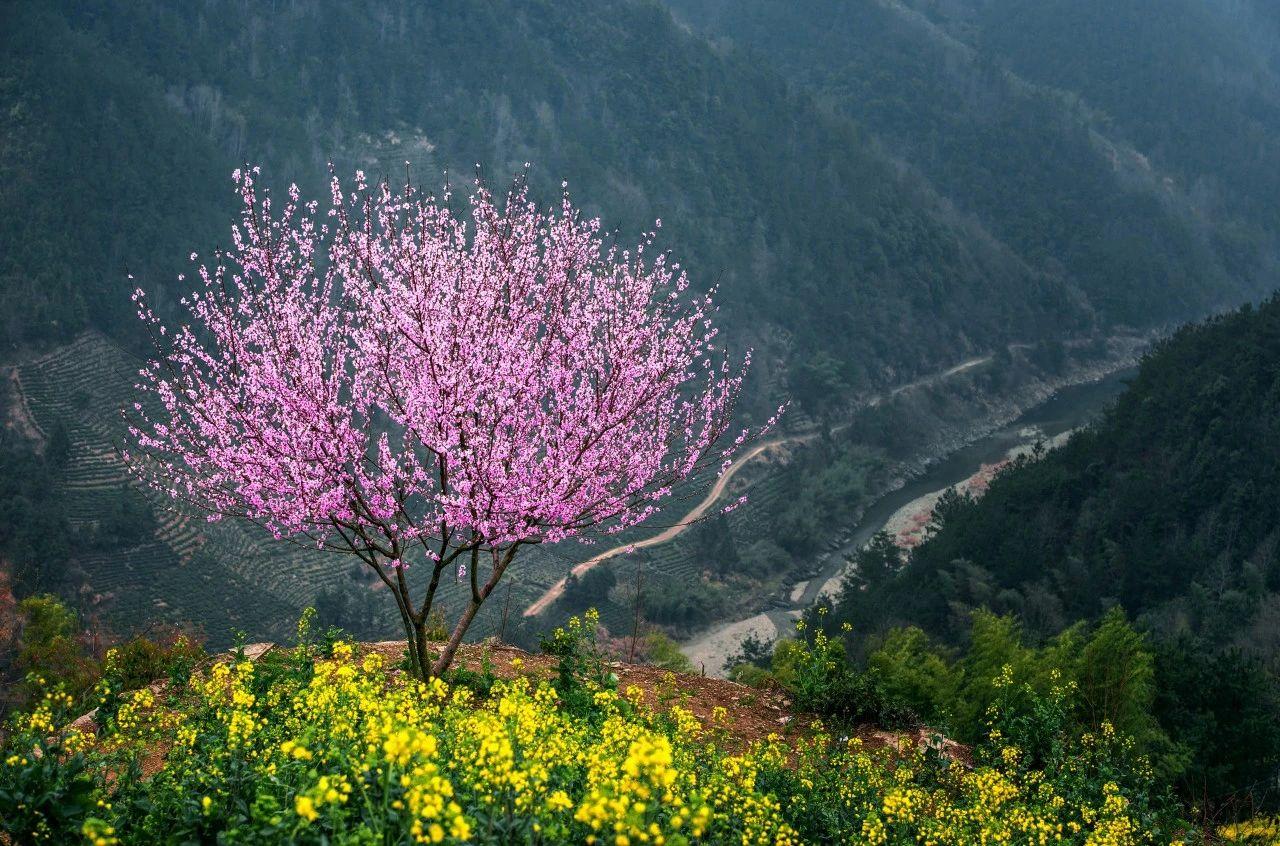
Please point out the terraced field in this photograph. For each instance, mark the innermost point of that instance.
(216, 576)
(225, 576)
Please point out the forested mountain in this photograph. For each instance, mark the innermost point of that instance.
(1169, 509)
(881, 192)
(1016, 215)
(1119, 148)
(138, 112)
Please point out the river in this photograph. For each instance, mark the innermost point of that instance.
(1068, 409)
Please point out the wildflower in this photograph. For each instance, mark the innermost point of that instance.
(305, 808)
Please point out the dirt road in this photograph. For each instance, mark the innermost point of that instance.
(700, 510)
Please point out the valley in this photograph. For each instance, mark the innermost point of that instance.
(371, 373)
(1069, 408)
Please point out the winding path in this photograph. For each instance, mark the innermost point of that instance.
(717, 490)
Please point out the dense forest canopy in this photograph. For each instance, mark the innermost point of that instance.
(1014, 217)
(1164, 510)
(1075, 133)
(808, 230)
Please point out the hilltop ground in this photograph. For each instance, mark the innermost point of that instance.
(753, 714)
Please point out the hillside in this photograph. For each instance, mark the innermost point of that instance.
(329, 742)
(1115, 148)
(869, 229)
(816, 240)
(1165, 508)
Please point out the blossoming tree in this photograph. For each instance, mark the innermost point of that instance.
(408, 385)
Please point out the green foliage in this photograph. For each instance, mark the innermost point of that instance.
(682, 602)
(47, 791)
(710, 142)
(165, 656)
(768, 170)
(479, 681)
(46, 794)
(663, 652)
(825, 489)
(581, 672)
(818, 384)
(1167, 507)
(591, 588)
(1116, 678)
(36, 539)
(879, 559)
(1033, 731)
(61, 668)
(1101, 676)
(971, 94)
(45, 620)
(50, 651)
(752, 653)
(762, 558)
(1220, 709)
(814, 669)
(714, 546)
(917, 671)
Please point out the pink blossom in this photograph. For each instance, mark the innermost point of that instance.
(390, 376)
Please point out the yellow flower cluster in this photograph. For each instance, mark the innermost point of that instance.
(443, 766)
(887, 801)
(98, 833)
(1264, 831)
(345, 750)
(40, 720)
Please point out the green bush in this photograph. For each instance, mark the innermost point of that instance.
(580, 664)
(814, 669)
(47, 791)
(663, 652)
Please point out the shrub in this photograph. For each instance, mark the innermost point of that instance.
(50, 648)
(593, 586)
(580, 663)
(46, 789)
(169, 656)
(297, 748)
(661, 651)
(814, 669)
(752, 651)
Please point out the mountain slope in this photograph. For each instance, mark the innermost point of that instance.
(818, 242)
(1168, 507)
(1028, 153)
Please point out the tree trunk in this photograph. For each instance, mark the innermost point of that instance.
(420, 648)
(477, 599)
(455, 640)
